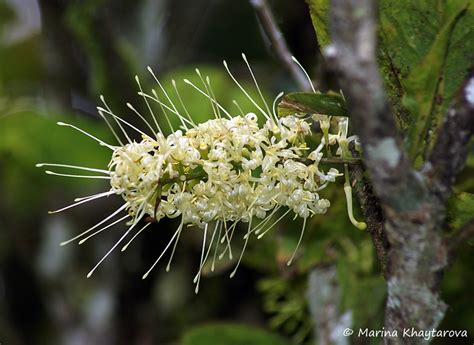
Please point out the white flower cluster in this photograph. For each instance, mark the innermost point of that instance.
(226, 169)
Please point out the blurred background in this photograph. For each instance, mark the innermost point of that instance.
(56, 58)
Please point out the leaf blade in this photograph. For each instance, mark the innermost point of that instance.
(330, 104)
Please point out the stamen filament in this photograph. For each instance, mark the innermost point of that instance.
(134, 236)
(97, 225)
(111, 250)
(164, 251)
(78, 176)
(246, 93)
(102, 98)
(210, 98)
(305, 73)
(39, 165)
(299, 242)
(101, 142)
(104, 228)
(149, 108)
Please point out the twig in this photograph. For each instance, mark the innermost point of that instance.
(450, 150)
(267, 21)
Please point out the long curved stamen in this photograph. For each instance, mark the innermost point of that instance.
(114, 117)
(207, 252)
(40, 165)
(124, 248)
(96, 177)
(149, 108)
(80, 202)
(168, 266)
(103, 229)
(256, 84)
(238, 107)
(164, 91)
(101, 142)
(173, 82)
(213, 96)
(111, 250)
(212, 99)
(121, 208)
(164, 251)
(217, 247)
(132, 108)
(201, 263)
(299, 242)
(260, 225)
(167, 96)
(114, 133)
(246, 93)
(164, 106)
(245, 246)
(305, 73)
(102, 194)
(122, 120)
(274, 223)
(229, 239)
(209, 97)
(274, 107)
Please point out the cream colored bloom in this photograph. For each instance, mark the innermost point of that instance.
(212, 175)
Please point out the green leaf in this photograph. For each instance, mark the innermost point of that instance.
(417, 41)
(230, 334)
(312, 103)
(319, 14)
(460, 209)
(422, 83)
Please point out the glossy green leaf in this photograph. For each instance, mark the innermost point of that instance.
(312, 103)
(230, 334)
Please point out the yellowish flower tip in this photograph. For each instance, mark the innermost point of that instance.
(361, 225)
